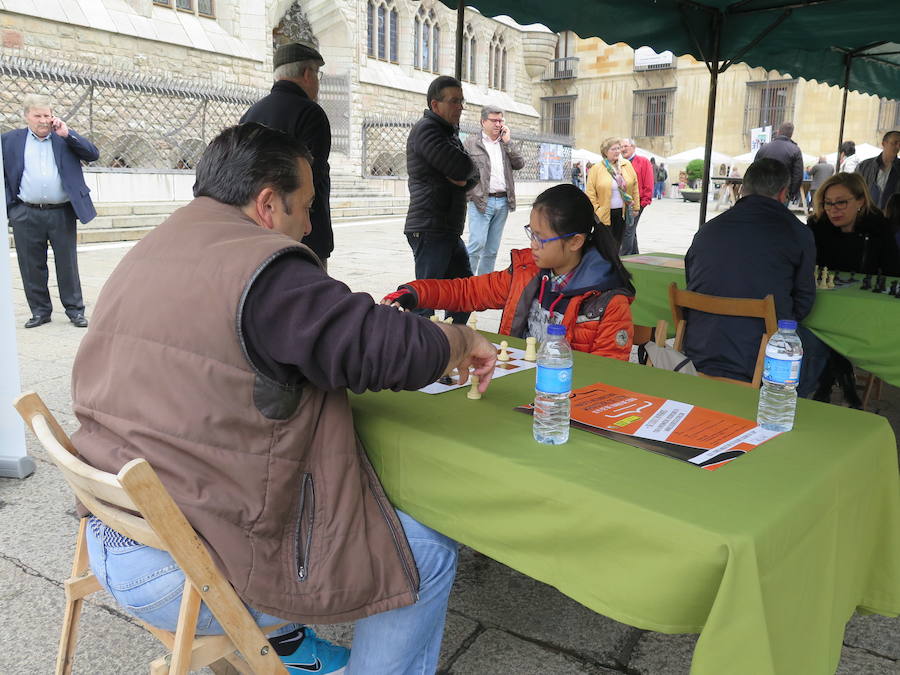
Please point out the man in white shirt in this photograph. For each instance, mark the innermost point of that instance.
(494, 196)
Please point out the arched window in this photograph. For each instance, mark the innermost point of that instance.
(427, 41)
(382, 24)
(468, 54)
(497, 63)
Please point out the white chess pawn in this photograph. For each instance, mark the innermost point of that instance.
(504, 355)
(434, 318)
(473, 392)
(448, 319)
(473, 322)
(531, 349)
(830, 282)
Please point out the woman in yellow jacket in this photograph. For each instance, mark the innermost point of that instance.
(612, 187)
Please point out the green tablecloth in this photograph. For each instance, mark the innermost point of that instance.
(766, 558)
(861, 325)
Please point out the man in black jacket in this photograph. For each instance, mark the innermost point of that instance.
(755, 248)
(292, 108)
(440, 172)
(786, 151)
(882, 173)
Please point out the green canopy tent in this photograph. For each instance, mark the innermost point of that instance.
(839, 42)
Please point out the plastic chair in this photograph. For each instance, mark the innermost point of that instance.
(135, 504)
(679, 300)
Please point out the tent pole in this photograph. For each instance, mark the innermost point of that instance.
(460, 21)
(848, 61)
(713, 66)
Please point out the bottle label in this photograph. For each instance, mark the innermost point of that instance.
(554, 380)
(781, 371)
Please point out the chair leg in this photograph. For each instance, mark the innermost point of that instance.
(187, 628)
(74, 602)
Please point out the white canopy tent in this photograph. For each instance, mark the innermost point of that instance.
(748, 157)
(583, 155)
(697, 153)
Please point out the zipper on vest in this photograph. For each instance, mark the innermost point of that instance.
(406, 571)
(305, 526)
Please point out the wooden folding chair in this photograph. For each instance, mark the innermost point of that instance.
(116, 499)
(764, 309)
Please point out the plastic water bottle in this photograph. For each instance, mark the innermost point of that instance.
(781, 373)
(553, 385)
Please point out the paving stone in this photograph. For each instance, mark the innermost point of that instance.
(874, 633)
(861, 662)
(499, 653)
(495, 595)
(661, 654)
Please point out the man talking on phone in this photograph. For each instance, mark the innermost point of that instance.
(494, 196)
(45, 193)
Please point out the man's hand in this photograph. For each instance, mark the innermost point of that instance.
(59, 127)
(403, 299)
(460, 183)
(469, 349)
(504, 134)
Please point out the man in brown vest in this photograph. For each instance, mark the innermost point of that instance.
(221, 351)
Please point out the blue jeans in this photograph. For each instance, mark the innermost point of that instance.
(439, 255)
(485, 231)
(148, 584)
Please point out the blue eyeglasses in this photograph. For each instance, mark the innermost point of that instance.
(540, 242)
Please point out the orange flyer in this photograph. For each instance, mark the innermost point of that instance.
(668, 427)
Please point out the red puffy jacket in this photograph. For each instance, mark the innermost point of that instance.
(597, 322)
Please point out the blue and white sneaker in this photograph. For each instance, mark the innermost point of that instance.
(315, 655)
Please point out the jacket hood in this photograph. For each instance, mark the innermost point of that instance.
(594, 273)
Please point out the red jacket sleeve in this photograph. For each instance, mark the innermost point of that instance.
(645, 180)
(468, 294)
(609, 338)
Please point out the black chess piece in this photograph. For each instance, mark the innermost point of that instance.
(866, 282)
(852, 277)
(880, 284)
(894, 285)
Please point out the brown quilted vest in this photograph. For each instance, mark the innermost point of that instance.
(272, 477)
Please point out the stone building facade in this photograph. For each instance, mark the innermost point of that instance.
(661, 101)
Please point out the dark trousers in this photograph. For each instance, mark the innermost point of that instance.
(617, 223)
(629, 245)
(33, 229)
(440, 255)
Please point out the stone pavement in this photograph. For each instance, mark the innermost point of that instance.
(500, 622)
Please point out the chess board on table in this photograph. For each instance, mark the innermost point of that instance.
(516, 364)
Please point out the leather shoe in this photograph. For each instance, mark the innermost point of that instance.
(36, 321)
(79, 320)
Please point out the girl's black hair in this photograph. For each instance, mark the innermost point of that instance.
(569, 210)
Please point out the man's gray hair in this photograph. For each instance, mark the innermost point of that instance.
(766, 177)
(490, 110)
(786, 129)
(35, 101)
(628, 141)
(295, 70)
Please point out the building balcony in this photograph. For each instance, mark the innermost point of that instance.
(561, 69)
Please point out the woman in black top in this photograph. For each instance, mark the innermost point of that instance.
(851, 234)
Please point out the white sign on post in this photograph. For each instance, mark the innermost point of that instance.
(14, 463)
(759, 137)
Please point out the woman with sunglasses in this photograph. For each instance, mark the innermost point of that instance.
(571, 275)
(851, 234)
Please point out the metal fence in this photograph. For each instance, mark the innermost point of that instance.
(547, 156)
(147, 122)
(136, 121)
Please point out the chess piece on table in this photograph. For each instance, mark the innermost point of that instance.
(448, 319)
(531, 349)
(435, 319)
(829, 283)
(880, 284)
(473, 392)
(894, 288)
(473, 322)
(821, 283)
(504, 355)
(866, 282)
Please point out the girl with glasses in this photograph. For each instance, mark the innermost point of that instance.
(851, 234)
(571, 275)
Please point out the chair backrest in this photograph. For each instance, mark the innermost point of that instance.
(657, 333)
(135, 503)
(764, 309)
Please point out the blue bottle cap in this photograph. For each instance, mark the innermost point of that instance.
(787, 324)
(556, 329)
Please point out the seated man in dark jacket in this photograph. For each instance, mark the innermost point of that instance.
(440, 173)
(755, 248)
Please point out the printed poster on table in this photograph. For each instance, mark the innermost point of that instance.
(703, 437)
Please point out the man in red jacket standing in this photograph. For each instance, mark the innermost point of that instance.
(646, 180)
